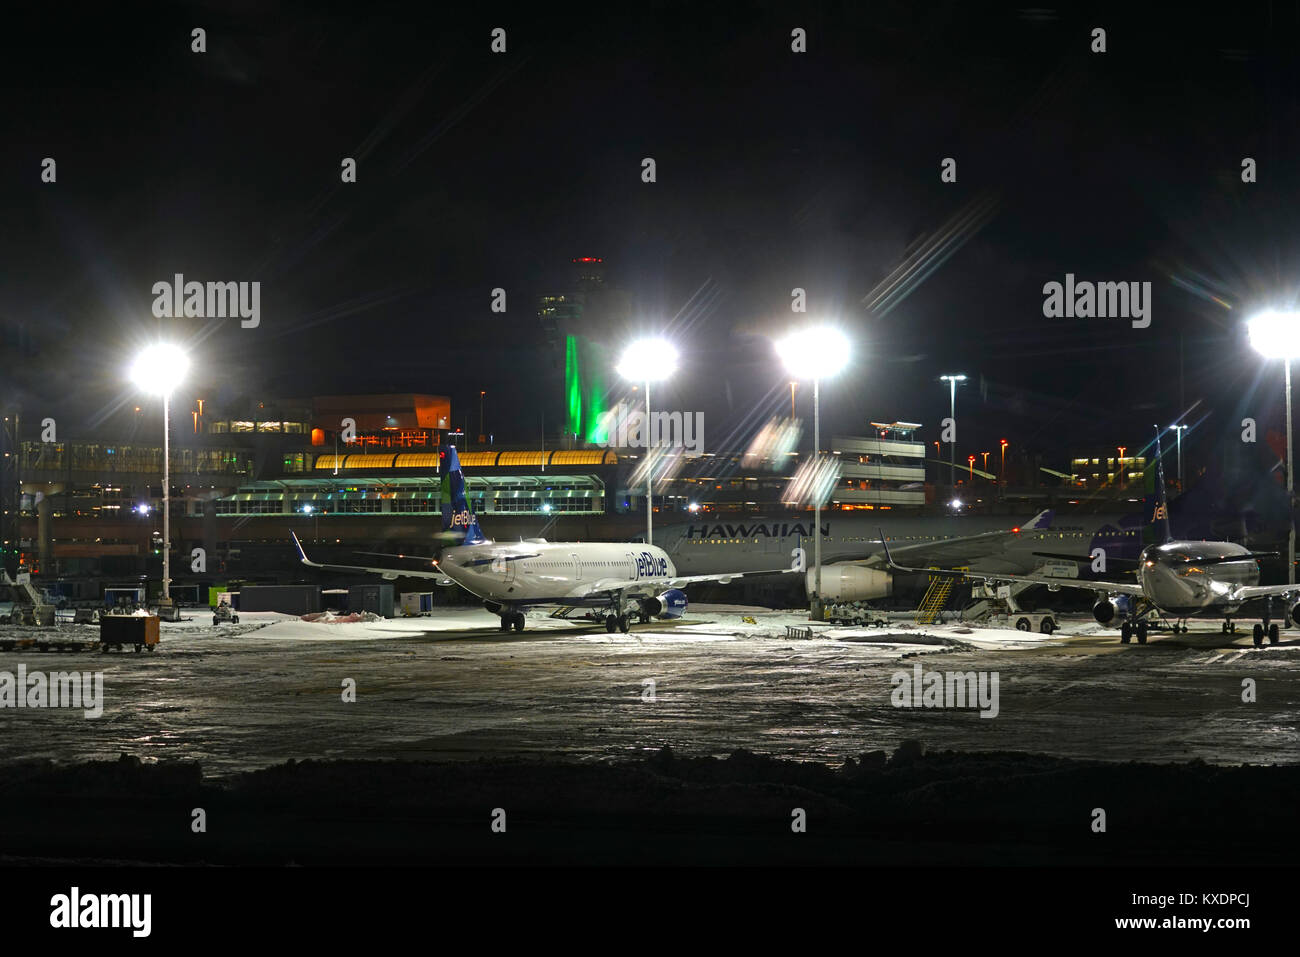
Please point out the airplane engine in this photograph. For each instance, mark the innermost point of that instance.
(850, 583)
(1107, 609)
(671, 604)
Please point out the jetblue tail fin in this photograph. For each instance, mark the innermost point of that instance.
(1159, 512)
(456, 516)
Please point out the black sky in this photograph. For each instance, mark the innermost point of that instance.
(775, 170)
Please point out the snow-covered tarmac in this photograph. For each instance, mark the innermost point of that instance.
(452, 686)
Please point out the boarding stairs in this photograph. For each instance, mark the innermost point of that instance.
(30, 605)
(989, 602)
(936, 597)
(29, 593)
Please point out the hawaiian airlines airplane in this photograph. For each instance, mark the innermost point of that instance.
(614, 581)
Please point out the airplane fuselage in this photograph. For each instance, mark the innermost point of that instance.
(752, 543)
(1174, 578)
(536, 573)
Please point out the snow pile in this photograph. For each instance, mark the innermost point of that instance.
(334, 618)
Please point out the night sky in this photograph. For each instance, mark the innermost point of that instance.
(775, 170)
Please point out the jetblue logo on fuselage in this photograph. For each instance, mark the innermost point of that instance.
(648, 566)
(461, 518)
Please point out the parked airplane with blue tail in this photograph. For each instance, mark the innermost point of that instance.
(613, 581)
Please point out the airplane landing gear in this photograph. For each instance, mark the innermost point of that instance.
(1129, 630)
(1273, 634)
(512, 619)
(611, 622)
(1259, 635)
(1229, 626)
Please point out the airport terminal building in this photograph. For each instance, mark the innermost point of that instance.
(357, 472)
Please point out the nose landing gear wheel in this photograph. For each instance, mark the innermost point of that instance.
(610, 623)
(505, 622)
(624, 624)
(1272, 634)
(1125, 633)
(1259, 635)
(1142, 632)
(519, 621)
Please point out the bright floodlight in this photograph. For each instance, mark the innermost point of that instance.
(648, 360)
(160, 369)
(1275, 335)
(816, 353)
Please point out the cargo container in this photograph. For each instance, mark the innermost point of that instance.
(415, 603)
(376, 599)
(287, 599)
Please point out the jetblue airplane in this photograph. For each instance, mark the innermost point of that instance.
(612, 580)
(1176, 579)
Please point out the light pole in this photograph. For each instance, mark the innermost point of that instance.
(646, 361)
(986, 460)
(1276, 335)
(1119, 463)
(1180, 429)
(158, 369)
(1002, 472)
(815, 353)
(952, 381)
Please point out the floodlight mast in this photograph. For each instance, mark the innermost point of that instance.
(1276, 335)
(159, 369)
(642, 361)
(813, 353)
(952, 381)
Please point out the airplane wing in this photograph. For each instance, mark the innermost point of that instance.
(1113, 588)
(387, 573)
(1247, 592)
(650, 586)
(961, 550)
